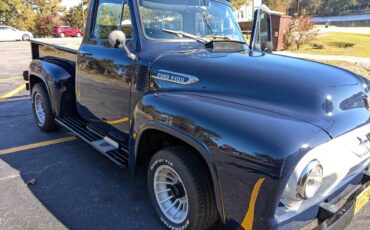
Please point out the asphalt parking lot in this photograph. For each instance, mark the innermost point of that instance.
(76, 187)
(55, 181)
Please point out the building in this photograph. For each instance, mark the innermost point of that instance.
(245, 13)
(361, 20)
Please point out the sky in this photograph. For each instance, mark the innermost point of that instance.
(70, 3)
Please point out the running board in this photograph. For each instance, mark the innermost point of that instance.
(106, 146)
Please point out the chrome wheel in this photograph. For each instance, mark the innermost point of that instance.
(39, 109)
(171, 194)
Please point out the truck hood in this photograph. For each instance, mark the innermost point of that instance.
(326, 96)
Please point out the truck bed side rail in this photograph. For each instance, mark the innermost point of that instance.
(42, 49)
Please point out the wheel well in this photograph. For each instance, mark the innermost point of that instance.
(152, 141)
(68, 98)
(34, 80)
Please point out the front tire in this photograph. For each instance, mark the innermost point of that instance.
(42, 109)
(181, 190)
(62, 35)
(78, 35)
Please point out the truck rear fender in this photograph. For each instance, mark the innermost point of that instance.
(56, 78)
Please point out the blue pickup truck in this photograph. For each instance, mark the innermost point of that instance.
(227, 131)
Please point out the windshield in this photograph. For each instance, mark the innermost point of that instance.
(208, 19)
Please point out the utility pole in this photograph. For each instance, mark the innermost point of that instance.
(296, 14)
(83, 15)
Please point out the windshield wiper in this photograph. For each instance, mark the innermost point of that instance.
(224, 38)
(186, 35)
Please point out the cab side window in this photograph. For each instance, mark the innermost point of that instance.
(107, 18)
(126, 23)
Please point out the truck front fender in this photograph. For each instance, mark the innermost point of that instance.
(186, 138)
(55, 78)
(242, 146)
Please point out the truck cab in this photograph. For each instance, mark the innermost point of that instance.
(227, 130)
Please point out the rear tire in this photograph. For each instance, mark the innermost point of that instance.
(62, 35)
(177, 172)
(26, 37)
(42, 109)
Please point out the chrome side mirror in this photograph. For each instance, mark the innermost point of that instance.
(117, 39)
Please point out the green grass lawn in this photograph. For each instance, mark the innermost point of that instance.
(344, 44)
(356, 68)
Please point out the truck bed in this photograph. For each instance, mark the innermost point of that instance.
(43, 49)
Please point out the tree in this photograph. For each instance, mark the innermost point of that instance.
(301, 31)
(279, 5)
(75, 18)
(46, 23)
(45, 7)
(18, 14)
(333, 7)
(311, 7)
(48, 15)
(236, 4)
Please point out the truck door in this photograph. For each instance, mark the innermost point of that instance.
(103, 77)
(262, 30)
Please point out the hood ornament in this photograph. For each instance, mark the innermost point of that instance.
(174, 77)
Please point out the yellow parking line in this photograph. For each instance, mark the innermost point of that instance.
(36, 145)
(125, 119)
(13, 92)
(10, 79)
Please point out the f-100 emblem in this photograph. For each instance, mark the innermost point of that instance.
(177, 78)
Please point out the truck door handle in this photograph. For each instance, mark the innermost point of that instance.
(84, 54)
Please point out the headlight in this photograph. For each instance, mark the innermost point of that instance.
(310, 180)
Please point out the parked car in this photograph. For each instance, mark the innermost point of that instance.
(226, 129)
(66, 31)
(8, 33)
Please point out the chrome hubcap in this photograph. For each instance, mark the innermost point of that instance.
(39, 109)
(171, 194)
